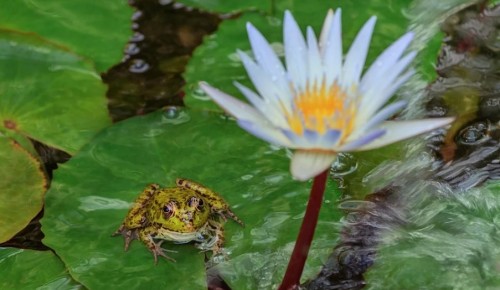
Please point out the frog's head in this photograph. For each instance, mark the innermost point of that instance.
(180, 212)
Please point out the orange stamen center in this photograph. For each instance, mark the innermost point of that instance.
(322, 108)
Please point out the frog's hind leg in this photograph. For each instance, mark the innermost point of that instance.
(139, 208)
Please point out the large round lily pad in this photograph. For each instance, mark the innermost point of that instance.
(91, 194)
(27, 269)
(97, 30)
(22, 187)
(49, 94)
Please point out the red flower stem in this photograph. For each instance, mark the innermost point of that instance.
(306, 233)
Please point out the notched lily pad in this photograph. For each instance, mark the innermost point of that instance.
(48, 93)
(27, 269)
(97, 30)
(226, 6)
(22, 187)
(91, 194)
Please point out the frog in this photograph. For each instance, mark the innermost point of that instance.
(189, 212)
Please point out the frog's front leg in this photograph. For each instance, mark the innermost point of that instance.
(146, 236)
(215, 232)
(217, 203)
(136, 217)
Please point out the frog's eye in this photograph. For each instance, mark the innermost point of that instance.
(168, 210)
(201, 203)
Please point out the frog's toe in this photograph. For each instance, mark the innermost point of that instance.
(157, 250)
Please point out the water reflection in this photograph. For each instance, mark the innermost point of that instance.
(437, 209)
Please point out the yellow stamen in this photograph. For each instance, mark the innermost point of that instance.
(322, 108)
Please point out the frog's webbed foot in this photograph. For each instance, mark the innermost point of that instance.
(215, 240)
(128, 234)
(231, 215)
(157, 250)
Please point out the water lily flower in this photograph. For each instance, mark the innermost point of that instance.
(319, 103)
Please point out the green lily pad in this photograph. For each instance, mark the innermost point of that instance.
(217, 62)
(91, 194)
(97, 30)
(27, 269)
(48, 93)
(22, 187)
(226, 6)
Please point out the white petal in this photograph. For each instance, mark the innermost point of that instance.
(385, 61)
(380, 93)
(265, 132)
(295, 52)
(361, 141)
(273, 114)
(233, 106)
(356, 57)
(400, 130)
(331, 49)
(314, 60)
(378, 118)
(262, 81)
(307, 164)
(325, 31)
(264, 54)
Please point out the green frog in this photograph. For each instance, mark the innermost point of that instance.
(189, 212)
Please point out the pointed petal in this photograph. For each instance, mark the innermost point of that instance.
(265, 132)
(331, 50)
(263, 83)
(307, 164)
(385, 61)
(265, 55)
(362, 141)
(273, 114)
(233, 106)
(356, 57)
(314, 60)
(325, 31)
(295, 52)
(400, 130)
(382, 115)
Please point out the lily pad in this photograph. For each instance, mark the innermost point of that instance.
(22, 187)
(49, 94)
(226, 6)
(217, 62)
(27, 269)
(91, 194)
(97, 30)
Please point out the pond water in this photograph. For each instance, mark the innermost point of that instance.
(422, 212)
